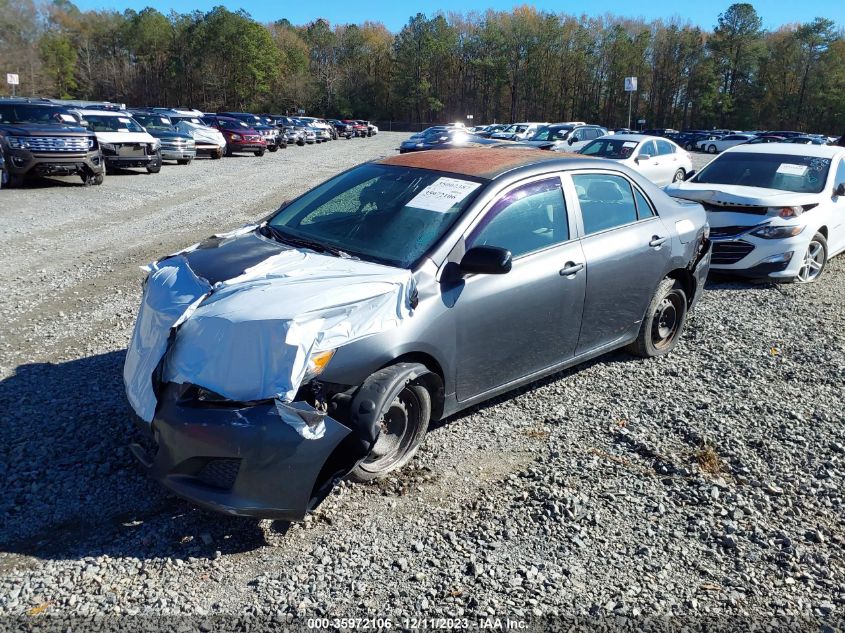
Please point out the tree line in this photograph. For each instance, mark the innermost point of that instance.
(500, 66)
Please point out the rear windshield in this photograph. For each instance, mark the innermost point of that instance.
(801, 174)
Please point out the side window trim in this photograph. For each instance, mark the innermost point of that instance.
(574, 204)
(497, 195)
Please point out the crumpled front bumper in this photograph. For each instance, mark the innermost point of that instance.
(259, 460)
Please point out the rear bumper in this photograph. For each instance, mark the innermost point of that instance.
(249, 461)
(22, 162)
(700, 271)
(246, 147)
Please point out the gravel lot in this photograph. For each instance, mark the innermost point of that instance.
(708, 484)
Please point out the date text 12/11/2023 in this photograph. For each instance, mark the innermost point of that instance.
(412, 623)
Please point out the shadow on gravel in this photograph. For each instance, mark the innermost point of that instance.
(70, 485)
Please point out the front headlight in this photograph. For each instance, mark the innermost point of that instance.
(787, 212)
(92, 143)
(109, 147)
(777, 232)
(317, 363)
(17, 142)
(157, 145)
(236, 137)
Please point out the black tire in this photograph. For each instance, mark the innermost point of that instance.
(404, 425)
(272, 148)
(218, 154)
(184, 161)
(14, 181)
(259, 152)
(679, 175)
(814, 260)
(711, 149)
(155, 166)
(228, 151)
(300, 143)
(664, 321)
(92, 179)
(689, 147)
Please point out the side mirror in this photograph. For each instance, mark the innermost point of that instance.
(690, 174)
(840, 189)
(486, 260)
(571, 140)
(643, 157)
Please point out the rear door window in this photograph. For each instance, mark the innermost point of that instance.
(606, 200)
(665, 148)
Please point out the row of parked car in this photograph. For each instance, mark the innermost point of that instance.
(715, 141)
(42, 137)
(775, 204)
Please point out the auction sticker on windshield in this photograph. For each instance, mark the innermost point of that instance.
(629, 144)
(790, 169)
(443, 194)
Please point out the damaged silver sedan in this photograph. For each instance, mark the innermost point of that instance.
(273, 361)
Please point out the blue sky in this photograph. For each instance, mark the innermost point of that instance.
(394, 14)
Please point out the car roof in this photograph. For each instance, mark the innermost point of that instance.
(480, 162)
(85, 112)
(789, 149)
(636, 137)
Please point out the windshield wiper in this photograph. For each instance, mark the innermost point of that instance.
(281, 236)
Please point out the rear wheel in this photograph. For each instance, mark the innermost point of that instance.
(272, 148)
(403, 426)
(815, 258)
(711, 149)
(664, 321)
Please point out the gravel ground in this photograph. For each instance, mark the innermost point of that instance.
(705, 485)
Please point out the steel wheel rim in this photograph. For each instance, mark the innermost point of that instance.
(666, 320)
(813, 262)
(396, 433)
(679, 175)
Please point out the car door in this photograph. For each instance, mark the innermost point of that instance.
(667, 161)
(648, 166)
(514, 325)
(627, 250)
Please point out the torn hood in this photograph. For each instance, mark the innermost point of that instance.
(240, 315)
(201, 133)
(735, 195)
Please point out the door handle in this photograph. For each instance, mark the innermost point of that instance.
(656, 241)
(570, 268)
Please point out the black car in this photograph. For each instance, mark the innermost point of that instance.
(174, 144)
(444, 138)
(346, 130)
(44, 139)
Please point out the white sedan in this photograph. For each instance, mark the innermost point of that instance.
(715, 146)
(658, 159)
(775, 210)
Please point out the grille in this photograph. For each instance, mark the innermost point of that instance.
(220, 473)
(177, 144)
(57, 144)
(721, 232)
(736, 208)
(730, 252)
(252, 138)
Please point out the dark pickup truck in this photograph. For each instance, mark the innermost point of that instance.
(43, 139)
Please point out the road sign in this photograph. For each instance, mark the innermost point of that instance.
(469, 116)
(641, 121)
(630, 84)
(300, 111)
(12, 79)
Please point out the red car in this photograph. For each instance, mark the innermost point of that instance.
(239, 136)
(358, 127)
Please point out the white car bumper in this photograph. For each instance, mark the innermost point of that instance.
(750, 256)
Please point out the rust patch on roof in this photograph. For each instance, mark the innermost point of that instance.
(482, 162)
